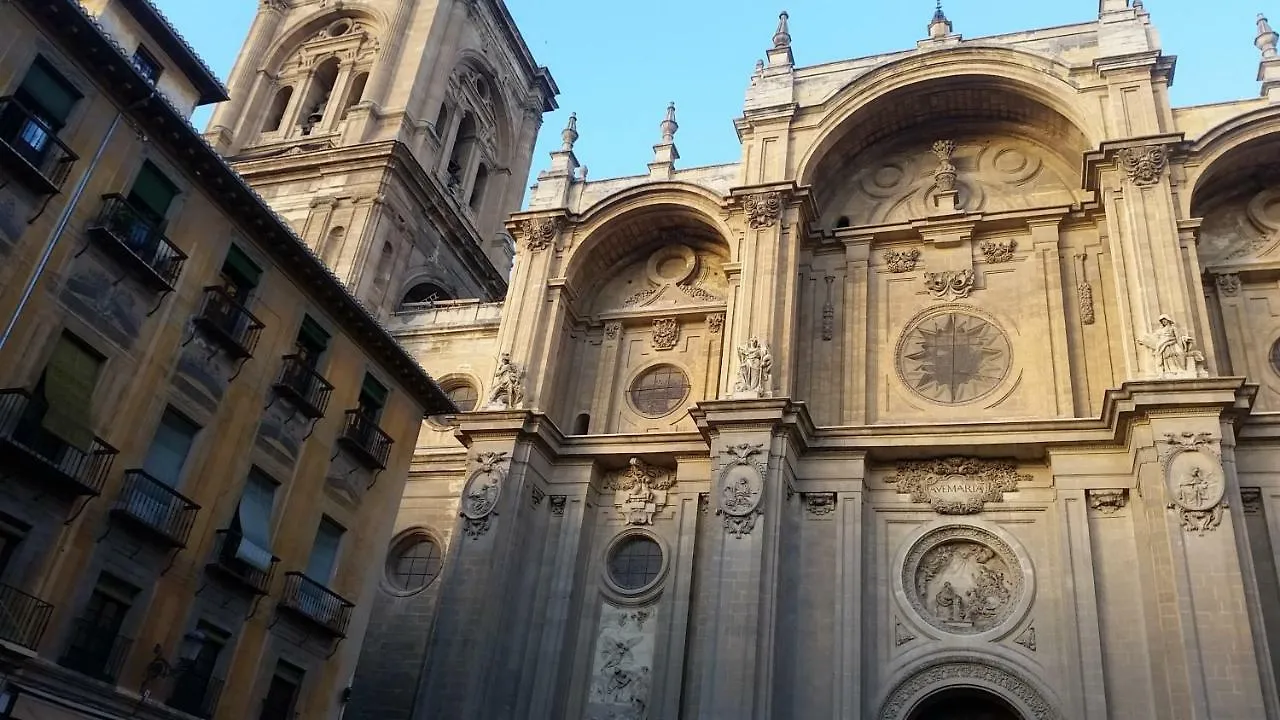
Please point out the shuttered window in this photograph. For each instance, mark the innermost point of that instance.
(240, 271)
(152, 192)
(253, 521)
(324, 553)
(373, 396)
(169, 448)
(68, 383)
(45, 92)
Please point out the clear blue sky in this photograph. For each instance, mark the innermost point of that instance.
(618, 62)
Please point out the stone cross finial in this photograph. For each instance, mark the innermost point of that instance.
(570, 133)
(669, 125)
(939, 26)
(782, 38)
(1266, 40)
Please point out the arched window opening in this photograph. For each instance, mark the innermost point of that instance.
(424, 293)
(582, 424)
(357, 92)
(383, 272)
(331, 248)
(318, 95)
(842, 222)
(461, 155)
(478, 187)
(442, 119)
(278, 105)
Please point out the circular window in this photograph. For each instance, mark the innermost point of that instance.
(1275, 355)
(659, 390)
(635, 563)
(339, 28)
(953, 357)
(414, 563)
(464, 396)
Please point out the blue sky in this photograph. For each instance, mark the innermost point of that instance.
(618, 62)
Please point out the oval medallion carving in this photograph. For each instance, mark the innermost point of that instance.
(963, 580)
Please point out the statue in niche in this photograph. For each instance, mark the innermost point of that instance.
(755, 369)
(1175, 355)
(508, 385)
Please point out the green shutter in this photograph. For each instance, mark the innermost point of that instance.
(372, 392)
(69, 380)
(312, 336)
(152, 192)
(53, 95)
(242, 271)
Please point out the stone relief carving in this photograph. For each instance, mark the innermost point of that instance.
(1244, 227)
(1027, 639)
(481, 493)
(1195, 480)
(557, 504)
(763, 209)
(957, 485)
(640, 491)
(829, 312)
(536, 495)
(621, 673)
(612, 329)
(1229, 284)
(508, 385)
(963, 580)
(674, 275)
(956, 671)
(1251, 500)
(949, 284)
(901, 261)
(1108, 502)
(666, 333)
(945, 174)
(715, 323)
(819, 504)
(1084, 290)
(741, 488)
(755, 370)
(951, 356)
(1143, 165)
(1173, 354)
(539, 232)
(901, 635)
(996, 251)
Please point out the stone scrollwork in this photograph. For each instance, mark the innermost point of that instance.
(640, 491)
(666, 333)
(1195, 480)
(996, 251)
(755, 370)
(481, 493)
(949, 284)
(763, 209)
(963, 580)
(819, 504)
(741, 488)
(539, 232)
(964, 670)
(1144, 165)
(1173, 354)
(1108, 502)
(901, 261)
(957, 485)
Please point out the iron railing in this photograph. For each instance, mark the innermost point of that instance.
(96, 651)
(195, 694)
(23, 617)
(316, 603)
(303, 386)
(225, 563)
(31, 148)
(136, 241)
(365, 439)
(229, 322)
(24, 442)
(156, 507)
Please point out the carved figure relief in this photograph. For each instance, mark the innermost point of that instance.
(1229, 284)
(949, 284)
(963, 580)
(480, 494)
(953, 357)
(741, 487)
(901, 261)
(539, 232)
(1143, 165)
(957, 485)
(763, 209)
(1108, 502)
(666, 333)
(1196, 484)
(622, 666)
(755, 370)
(508, 385)
(1173, 354)
(996, 251)
(640, 491)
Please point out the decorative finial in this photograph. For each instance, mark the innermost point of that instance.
(1137, 5)
(570, 134)
(939, 26)
(1266, 40)
(782, 38)
(669, 125)
(759, 67)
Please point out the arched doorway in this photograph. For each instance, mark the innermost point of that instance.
(964, 704)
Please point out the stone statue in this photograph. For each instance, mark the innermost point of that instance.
(755, 369)
(950, 604)
(1174, 354)
(508, 385)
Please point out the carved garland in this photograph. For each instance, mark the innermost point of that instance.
(1108, 502)
(949, 284)
(901, 261)
(998, 252)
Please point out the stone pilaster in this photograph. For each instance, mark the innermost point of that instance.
(228, 115)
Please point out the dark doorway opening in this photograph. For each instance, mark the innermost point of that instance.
(964, 704)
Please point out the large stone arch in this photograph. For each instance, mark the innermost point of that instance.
(308, 25)
(940, 673)
(1212, 154)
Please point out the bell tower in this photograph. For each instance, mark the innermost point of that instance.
(393, 135)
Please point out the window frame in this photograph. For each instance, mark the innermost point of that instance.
(408, 539)
(149, 60)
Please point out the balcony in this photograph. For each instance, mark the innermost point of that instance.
(316, 604)
(195, 695)
(303, 386)
(137, 243)
(31, 150)
(95, 650)
(155, 508)
(226, 564)
(228, 323)
(45, 457)
(23, 618)
(362, 436)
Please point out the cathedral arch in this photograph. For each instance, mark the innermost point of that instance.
(916, 687)
(279, 104)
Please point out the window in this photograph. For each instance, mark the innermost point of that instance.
(94, 639)
(464, 395)
(477, 188)
(199, 662)
(282, 694)
(659, 390)
(373, 396)
(64, 395)
(152, 193)
(311, 343)
(459, 158)
(414, 563)
(356, 94)
(279, 104)
(239, 275)
(47, 99)
(324, 552)
(252, 521)
(317, 100)
(635, 563)
(146, 64)
(442, 119)
(12, 532)
(424, 293)
(582, 424)
(170, 447)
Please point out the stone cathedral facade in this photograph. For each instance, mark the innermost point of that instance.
(956, 396)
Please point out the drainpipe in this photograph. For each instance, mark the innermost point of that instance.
(61, 227)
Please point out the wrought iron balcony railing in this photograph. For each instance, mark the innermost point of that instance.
(155, 508)
(316, 603)
(45, 457)
(365, 439)
(228, 322)
(303, 386)
(95, 650)
(30, 148)
(23, 617)
(136, 242)
(194, 694)
(226, 563)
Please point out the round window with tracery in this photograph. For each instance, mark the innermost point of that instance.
(414, 563)
(464, 396)
(659, 390)
(635, 563)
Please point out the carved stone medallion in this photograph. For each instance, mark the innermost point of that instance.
(666, 333)
(953, 357)
(481, 493)
(957, 485)
(741, 488)
(963, 580)
(640, 491)
(1195, 480)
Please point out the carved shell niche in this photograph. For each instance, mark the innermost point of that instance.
(1243, 228)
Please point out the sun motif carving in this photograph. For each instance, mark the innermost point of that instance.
(953, 357)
